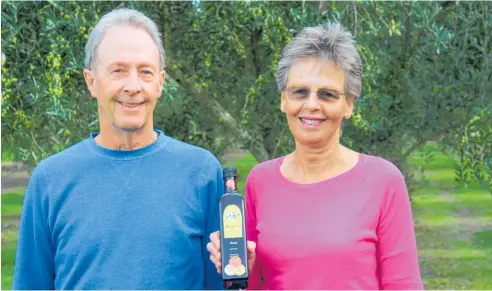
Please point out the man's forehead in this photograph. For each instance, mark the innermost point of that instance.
(126, 34)
(127, 43)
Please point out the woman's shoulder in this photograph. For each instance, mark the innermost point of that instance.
(376, 167)
(268, 166)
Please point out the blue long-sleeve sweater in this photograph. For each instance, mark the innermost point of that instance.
(95, 218)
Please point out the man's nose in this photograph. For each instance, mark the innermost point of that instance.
(133, 83)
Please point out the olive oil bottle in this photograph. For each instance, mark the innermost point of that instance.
(233, 234)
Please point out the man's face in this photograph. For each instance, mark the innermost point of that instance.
(126, 79)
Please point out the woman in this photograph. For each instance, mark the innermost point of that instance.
(324, 216)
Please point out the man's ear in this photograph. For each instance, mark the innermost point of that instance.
(90, 80)
(162, 78)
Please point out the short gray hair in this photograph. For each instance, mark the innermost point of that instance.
(331, 42)
(118, 17)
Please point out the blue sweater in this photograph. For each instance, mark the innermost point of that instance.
(95, 218)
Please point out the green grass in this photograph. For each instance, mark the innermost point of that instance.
(8, 259)
(243, 165)
(12, 202)
(453, 226)
(11, 210)
(7, 156)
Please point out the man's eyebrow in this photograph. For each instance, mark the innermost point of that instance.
(123, 64)
(117, 64)
(304, 86)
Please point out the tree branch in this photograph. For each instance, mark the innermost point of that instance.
(422, 141)
(206, 101)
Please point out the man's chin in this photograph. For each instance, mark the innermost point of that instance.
(129, 127)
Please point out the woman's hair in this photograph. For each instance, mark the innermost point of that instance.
(330, 42)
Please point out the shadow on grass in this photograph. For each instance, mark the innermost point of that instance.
(483, 239)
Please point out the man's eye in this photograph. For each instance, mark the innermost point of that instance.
(147, 72)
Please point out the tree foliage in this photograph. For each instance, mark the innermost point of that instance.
(427, 76)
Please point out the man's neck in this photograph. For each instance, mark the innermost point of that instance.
(118, 139)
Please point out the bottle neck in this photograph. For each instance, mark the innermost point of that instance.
(230, 184)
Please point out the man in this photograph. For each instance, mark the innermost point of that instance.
(129, 207)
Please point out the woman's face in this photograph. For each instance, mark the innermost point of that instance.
(314, 101)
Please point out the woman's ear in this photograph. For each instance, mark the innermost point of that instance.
(350, 107)
(282, 102)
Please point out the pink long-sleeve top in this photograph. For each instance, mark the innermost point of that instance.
(353, 231)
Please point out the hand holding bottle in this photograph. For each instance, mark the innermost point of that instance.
(215, 255)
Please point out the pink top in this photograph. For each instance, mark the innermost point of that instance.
(353, 231)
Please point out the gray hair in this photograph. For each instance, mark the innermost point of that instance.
(331, 42)
(118, 17)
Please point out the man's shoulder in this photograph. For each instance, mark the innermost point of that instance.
(62, 164)
(64, 159)
(186, 151)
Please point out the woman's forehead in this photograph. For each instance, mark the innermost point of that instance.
(310, 71)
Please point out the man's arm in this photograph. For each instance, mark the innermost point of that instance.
(214, 187)
(34, 263)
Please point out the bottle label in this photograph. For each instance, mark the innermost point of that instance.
(233, 222)
(235, 267)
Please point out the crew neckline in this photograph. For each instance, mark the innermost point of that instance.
(349, 172)
(124, 154)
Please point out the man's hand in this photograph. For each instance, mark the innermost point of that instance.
(215, 255)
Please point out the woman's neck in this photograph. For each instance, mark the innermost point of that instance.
(310, 165)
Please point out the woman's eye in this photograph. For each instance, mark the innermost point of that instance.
(301, 92)
(326, 94)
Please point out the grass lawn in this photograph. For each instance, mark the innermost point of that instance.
(8, 258)
(243, 166)
(11, 209)
(453, 225)
(12, 202)
(454, 229)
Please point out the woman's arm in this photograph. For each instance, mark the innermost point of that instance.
(254, 282)
(397, 247)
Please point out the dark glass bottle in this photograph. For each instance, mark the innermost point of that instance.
(233, 234)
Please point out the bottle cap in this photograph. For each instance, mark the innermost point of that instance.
(230, 172)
